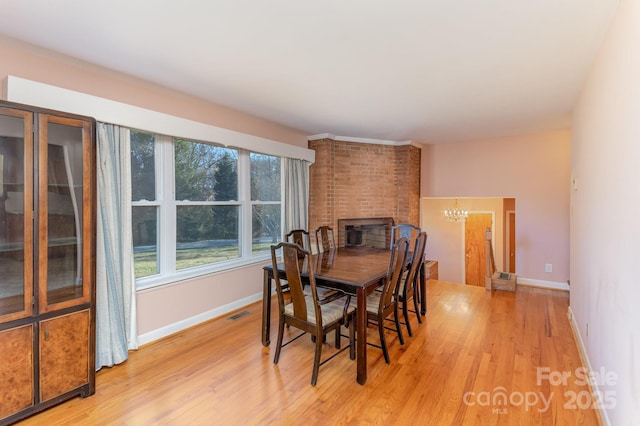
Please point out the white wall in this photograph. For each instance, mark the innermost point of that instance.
(605, 213)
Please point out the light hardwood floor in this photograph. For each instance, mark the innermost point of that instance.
(473, 350)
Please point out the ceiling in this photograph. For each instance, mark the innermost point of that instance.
(424, 70)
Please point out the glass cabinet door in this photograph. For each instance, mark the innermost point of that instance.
(16, 214)
(64, 211)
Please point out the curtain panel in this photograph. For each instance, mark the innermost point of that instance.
(116, 331)
(296, 194)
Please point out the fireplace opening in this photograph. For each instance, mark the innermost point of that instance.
(365, 232)
(354, 235)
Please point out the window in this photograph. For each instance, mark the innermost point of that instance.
(198, 207)
(144, 212)
(207, 206)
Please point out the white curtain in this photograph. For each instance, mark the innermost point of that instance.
(296, 194)
(116, 330)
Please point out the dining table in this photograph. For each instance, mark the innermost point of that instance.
(354, 270)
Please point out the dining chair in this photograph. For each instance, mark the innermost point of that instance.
(407, 230)
(325, 240)
(305, 311)
(408, 287)
(384, 303)
(299, 237)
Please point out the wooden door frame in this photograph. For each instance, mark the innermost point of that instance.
(508, 231)
(464, 230)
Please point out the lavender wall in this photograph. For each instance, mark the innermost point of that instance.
(22, 60)
(533, 169)
(605, 204)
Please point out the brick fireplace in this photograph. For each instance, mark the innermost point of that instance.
(357, 180)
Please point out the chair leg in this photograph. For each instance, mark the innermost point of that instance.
(338, 332)
(313, 338)
(276, 357)
(396, 317)
(417, 309)
(405, 312)
(383, 342)
(352, 339)
(316, 362)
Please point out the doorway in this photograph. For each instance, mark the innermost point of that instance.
(474, 247)
(446, 242)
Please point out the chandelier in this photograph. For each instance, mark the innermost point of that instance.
(456, 214)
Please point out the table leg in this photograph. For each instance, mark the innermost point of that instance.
(266, 307)
(361, 336)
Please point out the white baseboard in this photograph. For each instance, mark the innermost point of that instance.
(196, 319)
(553, 285)
(587, 363)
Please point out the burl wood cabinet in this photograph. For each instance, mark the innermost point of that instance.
(47, 259)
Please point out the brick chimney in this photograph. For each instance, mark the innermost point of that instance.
(363, 180)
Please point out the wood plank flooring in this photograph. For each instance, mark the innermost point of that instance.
(473, 360)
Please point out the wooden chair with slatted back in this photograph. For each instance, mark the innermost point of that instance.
(325, 240)
(299, 237)
(304, 311)
(406, 230)
(380, 305)
(410, 281)
(302, 238)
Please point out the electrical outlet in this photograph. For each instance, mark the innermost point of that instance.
(548, 267)
(587, 329)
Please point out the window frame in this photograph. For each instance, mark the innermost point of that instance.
(166, 205)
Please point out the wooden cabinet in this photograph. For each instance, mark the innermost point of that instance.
(16, 370)
(47, 259)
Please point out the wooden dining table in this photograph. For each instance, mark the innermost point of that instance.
(353, 270)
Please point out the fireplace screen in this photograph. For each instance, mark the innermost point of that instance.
(365, 232)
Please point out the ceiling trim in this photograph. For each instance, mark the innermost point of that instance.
(362, 140)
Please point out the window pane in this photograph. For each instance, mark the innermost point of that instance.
(206, 234)
(266, 226)
(205, 172)
(145, 242)
(265, 177)
(143, 179)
